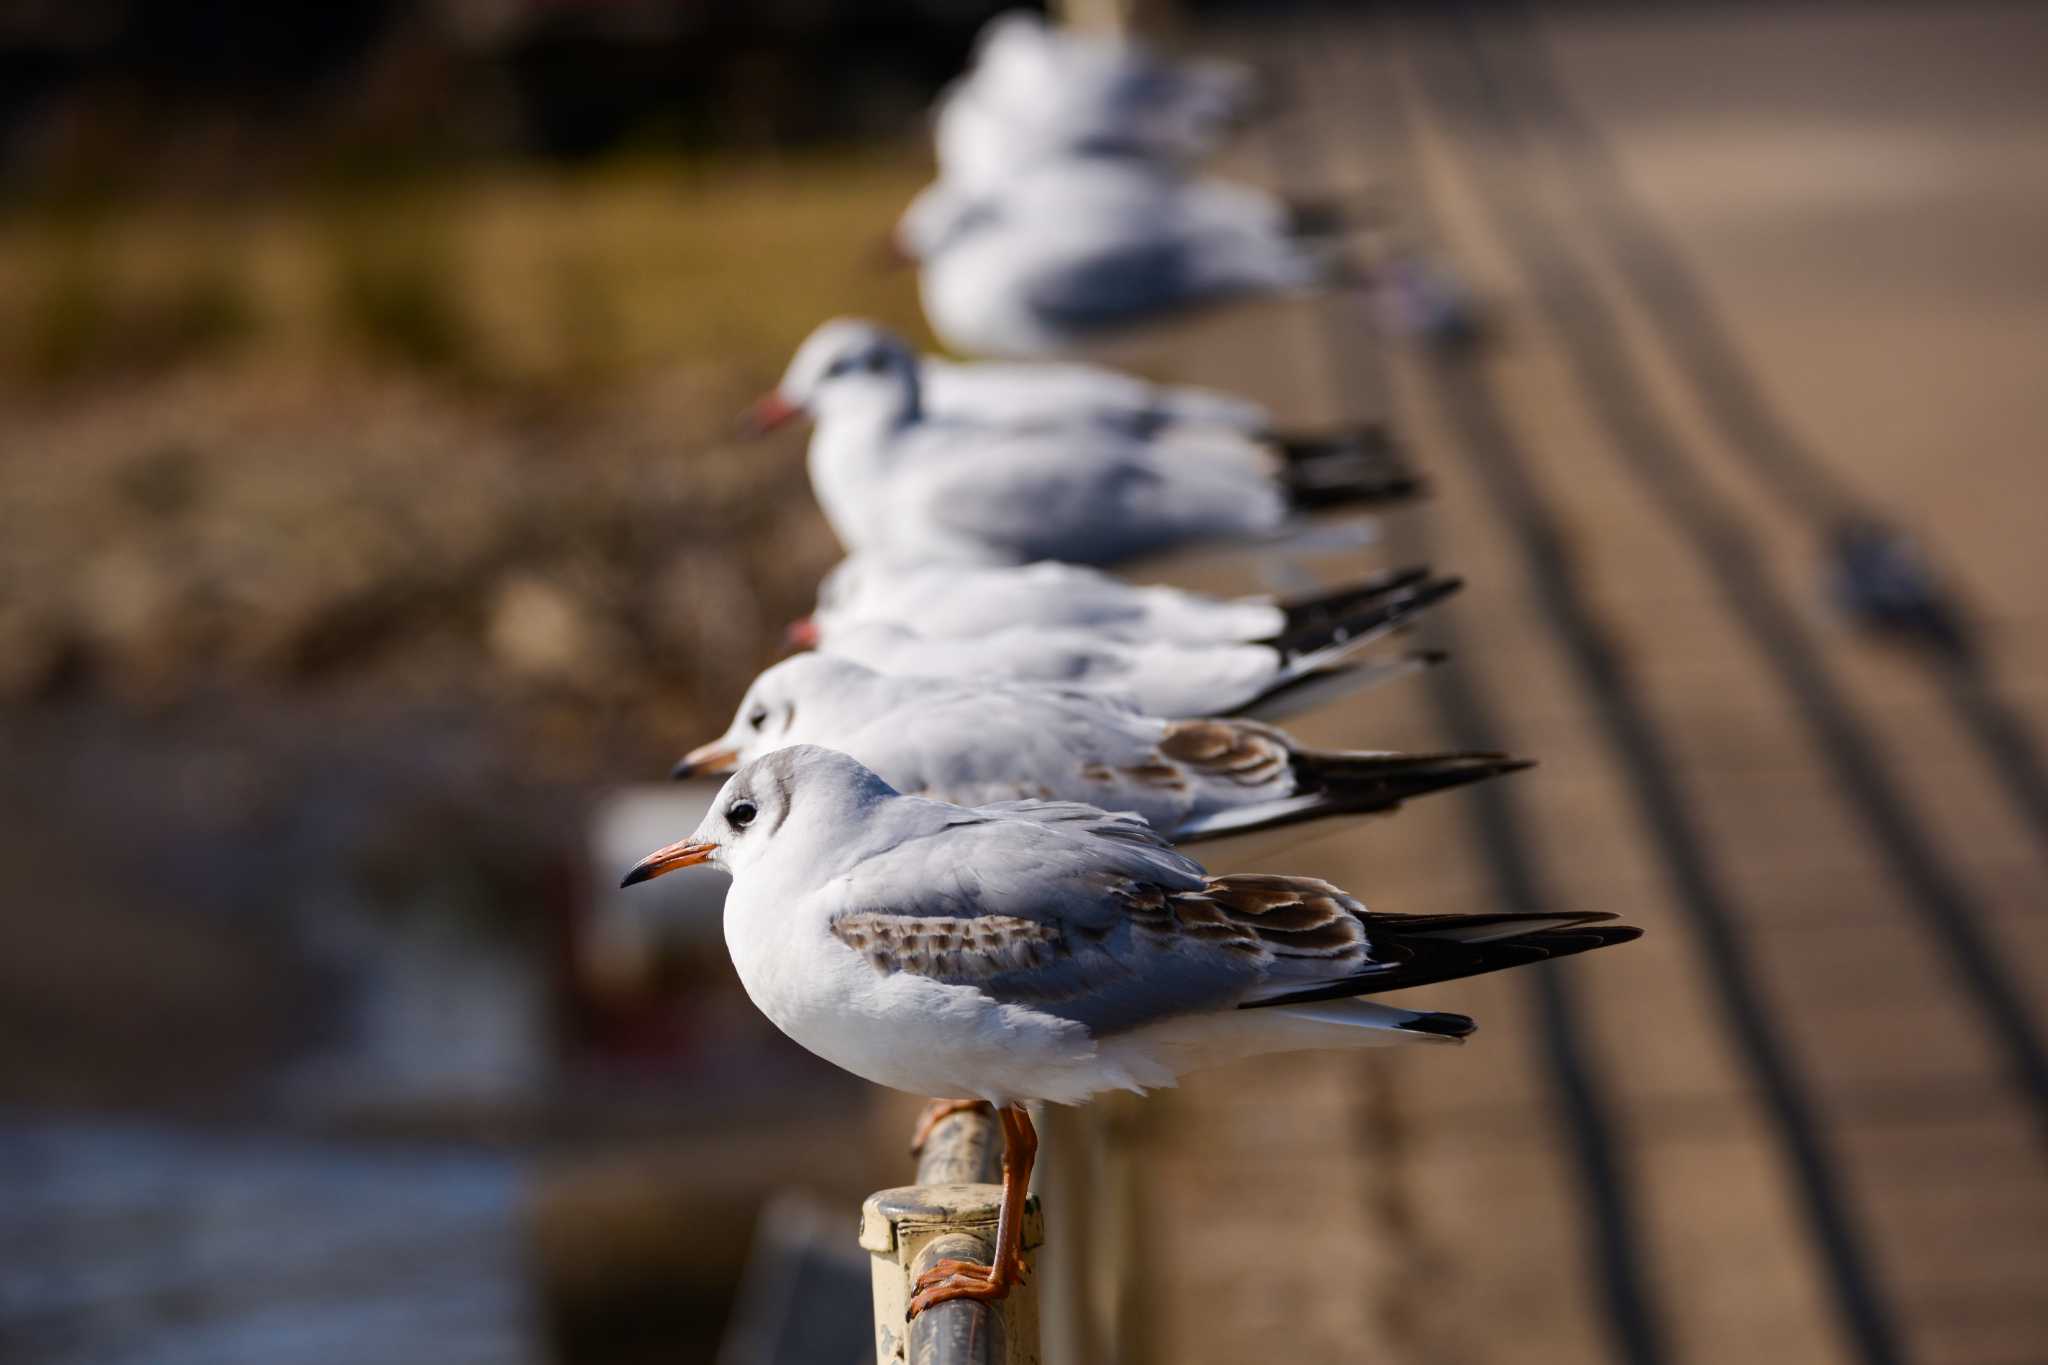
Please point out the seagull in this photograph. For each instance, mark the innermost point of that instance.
(895, 479)
(1035, 92)
(1161, 677)
(957, 600)
(1078, 250)
(976, 741)
(1000, 393)
(1051, 951)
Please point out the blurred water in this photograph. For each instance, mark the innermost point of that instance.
(147, 1243)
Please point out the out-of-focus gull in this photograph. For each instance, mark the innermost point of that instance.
(975, 741)
(1000, 393)
(948, 599)
(1034, 93)
(1162, 677)
(1050, 951)
(1078, 251)
(896, 479)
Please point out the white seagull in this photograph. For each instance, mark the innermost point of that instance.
(1049, 951)
(944, 599)
(972, 742)
(1074, 251)
(1013, 393)
(1161, 677)
(1158, 678)
(909, 484)
(1035, 92)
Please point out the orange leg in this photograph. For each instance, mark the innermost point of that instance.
(948, 1280)
(935, 1113)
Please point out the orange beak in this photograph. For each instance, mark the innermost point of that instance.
(706, 758)
(802, 633)
(662, 861)
(769, 411)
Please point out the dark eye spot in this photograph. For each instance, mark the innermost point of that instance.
(878, 361)
(758, 717)
(740, 814)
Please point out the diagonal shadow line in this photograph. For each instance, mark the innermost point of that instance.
(1623, 1266)
(1653, 454)
(1673, 299)
(1461, 387)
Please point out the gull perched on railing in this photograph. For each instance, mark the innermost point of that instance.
(909, 484)
(1034, 92)
(1163, 677)
(939, 598)
(1026, 393)
(980, 740)
(1049, 951)
(1077, 251)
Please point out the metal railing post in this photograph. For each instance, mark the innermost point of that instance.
(950, 1212)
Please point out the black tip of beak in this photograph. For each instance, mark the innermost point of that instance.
(635, 877)
(684, 768)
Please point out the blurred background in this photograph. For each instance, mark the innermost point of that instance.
(373, 535)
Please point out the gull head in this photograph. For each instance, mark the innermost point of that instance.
(804, 803)
(858, 588)
(1011, 35)
(801, 697)
(940, 216)
(846, 365)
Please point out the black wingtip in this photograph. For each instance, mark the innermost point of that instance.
(1373, 616)
(1370, 782)
(1366, 468)
(1320, 610)
(1440, 1024)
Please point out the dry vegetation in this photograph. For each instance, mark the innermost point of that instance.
(421, 443)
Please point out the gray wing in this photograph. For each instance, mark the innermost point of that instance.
(1071, 911)
(1136, 279)
(1071, 501)
(1054, 508)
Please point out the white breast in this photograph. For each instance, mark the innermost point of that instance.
(898, 1029)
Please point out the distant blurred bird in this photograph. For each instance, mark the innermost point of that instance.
(1163, 678)
(1034, 92)
(974, 741)
(940, 599)
(1023, 394)
(1036, 950)
(1074, 251)
(910, 484)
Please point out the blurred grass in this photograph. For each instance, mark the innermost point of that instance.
(507, 277)
(426, 439)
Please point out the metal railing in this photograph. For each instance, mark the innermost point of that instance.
(950, 1213)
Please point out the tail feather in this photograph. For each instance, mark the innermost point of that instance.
(1335, 471)
(1347, 1019)
(1351, 784)
(1344, 633)
(1370, 441)
(1320, 610)
(1373, 782)
(1422, 950)
(1307, 691)
(1308, 217)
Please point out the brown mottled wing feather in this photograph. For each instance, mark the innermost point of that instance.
(946, 947)
(1290, 923)
(1087, 916)
(1242, 752)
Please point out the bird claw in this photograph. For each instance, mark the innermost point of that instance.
(950, 1279)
